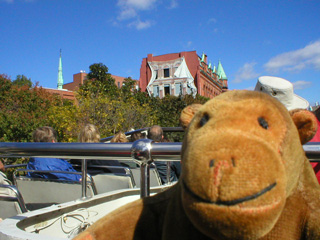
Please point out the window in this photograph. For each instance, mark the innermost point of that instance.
(155, 90)
(167, 89)
(118, 84)
(166, 73)
(156, 74)
(178, 89)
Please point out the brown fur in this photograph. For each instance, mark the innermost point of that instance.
(248, 144)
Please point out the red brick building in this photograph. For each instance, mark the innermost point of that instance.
(181, 73)
(80, 78)
(64, 93)
(67, 92)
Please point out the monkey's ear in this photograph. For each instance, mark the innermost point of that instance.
(187, 114)
(306, 124)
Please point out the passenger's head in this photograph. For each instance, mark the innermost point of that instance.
(44, 134)
(89, 133)
(120, 137)
(137, 135)
(155, 133)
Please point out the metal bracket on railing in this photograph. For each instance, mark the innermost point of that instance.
(141, 154)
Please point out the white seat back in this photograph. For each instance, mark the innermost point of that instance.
(107, 182)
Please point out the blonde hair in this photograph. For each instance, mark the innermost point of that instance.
(89, 133)
(120, 137)
(44, 134)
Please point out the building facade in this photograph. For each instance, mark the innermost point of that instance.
(80, 78)
(181, 73)
(64, 93)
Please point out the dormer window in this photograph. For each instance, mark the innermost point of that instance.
(166, 72)
(156, 74)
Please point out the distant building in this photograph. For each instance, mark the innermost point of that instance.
(66, 90)
(64, 93)
(181, 73)
(80, 78)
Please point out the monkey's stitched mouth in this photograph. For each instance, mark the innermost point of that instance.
(230, 202)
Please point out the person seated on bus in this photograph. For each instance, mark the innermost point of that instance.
(48, 134)
(136, 136)
(155, 133)
(90, 134)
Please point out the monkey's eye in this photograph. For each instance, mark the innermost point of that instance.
(204, 120)
(263, 123)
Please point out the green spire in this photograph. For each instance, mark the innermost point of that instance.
(60, 77)
(214, 69)
(202, 57)
(209, 65)
(221, 72)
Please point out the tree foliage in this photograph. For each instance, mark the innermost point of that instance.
(22, 80)
(99, 82)
(98, 101)
(22, 109)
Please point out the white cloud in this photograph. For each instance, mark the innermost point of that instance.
(301, 85)
(139, 25)
(130, 9)
(297, 60)
(127, 13)
(212, 20)
(246, 72)
(136, 4)
(251, 88)
(173, 4)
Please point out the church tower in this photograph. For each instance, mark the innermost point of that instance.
(60, 77)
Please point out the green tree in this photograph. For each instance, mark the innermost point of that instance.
(5, 86)
(99, 81)
(128, 88)
(111, 115)
(64, 119)
(166, 111)
(22, 80)
(22, 109)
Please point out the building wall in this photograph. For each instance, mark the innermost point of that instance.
(80, 78)
(207, 82)
(65, 94)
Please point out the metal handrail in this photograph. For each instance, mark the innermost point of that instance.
(107, 151)
(18, 198)
(111, 151)
(86, 151)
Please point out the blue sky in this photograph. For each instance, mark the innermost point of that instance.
(251, 37)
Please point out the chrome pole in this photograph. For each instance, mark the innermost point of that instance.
(84, 178)
(141, 154)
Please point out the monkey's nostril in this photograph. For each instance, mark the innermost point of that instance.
(211, 164)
